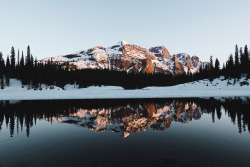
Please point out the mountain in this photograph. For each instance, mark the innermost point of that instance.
(131, 58)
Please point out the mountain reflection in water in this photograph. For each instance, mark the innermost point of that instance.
(121, 116)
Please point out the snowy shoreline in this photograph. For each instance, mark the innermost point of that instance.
(200, 89)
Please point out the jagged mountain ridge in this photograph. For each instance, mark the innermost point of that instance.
(131, 58)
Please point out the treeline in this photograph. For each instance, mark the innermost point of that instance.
(238, 64)
(23, 115)
(33, 73)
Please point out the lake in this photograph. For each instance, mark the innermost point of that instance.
(133, 132)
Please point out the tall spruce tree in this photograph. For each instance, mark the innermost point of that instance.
(2, 68)
(8, 71)
(2, 65)
(241, 60)
(22, 69)
(246, 59)
(27, 58)
(18, 58)
(22, 61)
(211, 69)
(8, 66)
(217, 67)
(28, 67)
(236, 59)
(31, 60)
(230, 66)
(211, 62)
(18, 65)
(12, 61)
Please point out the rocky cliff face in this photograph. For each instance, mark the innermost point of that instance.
(130, 58)
(160, 51)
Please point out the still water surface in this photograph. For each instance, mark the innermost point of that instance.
(112, 133)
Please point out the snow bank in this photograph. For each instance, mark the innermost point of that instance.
(203, 88)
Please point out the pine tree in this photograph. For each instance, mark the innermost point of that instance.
(241, 60)
(236, 59)
(18, 65)
(217, 66)
(12, 61)
(230, 66)
(8, 71)
(28, 68)
(22, 61)
(246, 59)
(211, 70)
(27, 58)
(18, 59)
(31, 61)
(2, 65)
(211, 62)
(8, 66)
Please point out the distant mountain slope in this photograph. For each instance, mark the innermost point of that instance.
(131, 58)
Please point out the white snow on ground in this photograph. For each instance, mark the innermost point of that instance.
(203, 88)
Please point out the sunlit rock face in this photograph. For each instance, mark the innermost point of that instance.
(130, 58)
(160, 51)
(133, 118)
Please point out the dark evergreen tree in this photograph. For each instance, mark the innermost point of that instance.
(237, 62)
(236, 58)
(18, 65)
(8, 71)
(8, 66)
(18, 59)
(22, 69)
(31, 61)
(2, 68)
(22, 61)
(217, 67)
(211, 69)
(12, 61)
(28, 68)
(211, 62)
(230, 66)
(2, 65)
(246, 59)
(241, 60)
(28, 57)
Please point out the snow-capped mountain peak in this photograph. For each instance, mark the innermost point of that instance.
(131, 58)
(122, 42)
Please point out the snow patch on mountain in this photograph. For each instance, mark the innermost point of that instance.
(122, 42)
(129, 57)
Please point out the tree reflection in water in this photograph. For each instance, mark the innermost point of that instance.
(121, 116)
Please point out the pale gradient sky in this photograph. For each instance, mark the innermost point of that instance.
(57, 27)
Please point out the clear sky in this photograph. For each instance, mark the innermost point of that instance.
(57, 27)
